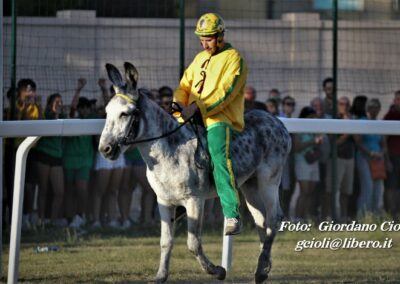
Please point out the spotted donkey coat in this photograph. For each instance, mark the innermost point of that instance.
(258, 154)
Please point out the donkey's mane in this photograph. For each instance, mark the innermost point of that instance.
(151, 110)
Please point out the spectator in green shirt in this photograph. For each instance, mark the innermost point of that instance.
(78, 161)
(49, 166)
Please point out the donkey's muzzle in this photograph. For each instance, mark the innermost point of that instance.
(109, 152)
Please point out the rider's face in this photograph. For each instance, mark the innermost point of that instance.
(209, 43)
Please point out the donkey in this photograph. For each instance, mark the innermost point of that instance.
(260, 151)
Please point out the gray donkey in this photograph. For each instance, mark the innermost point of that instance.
(260, 151)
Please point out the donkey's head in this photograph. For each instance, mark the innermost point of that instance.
(122, 112)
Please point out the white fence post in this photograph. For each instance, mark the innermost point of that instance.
(226, 251)
(18, 199)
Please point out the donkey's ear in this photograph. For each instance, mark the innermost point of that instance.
(114, 75)
(131, 75)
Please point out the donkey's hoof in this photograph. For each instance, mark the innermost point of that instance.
(261, 277)
(220, 272)
(161, 278)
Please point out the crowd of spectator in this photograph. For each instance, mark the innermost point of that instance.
(69, 183)
(368, 172)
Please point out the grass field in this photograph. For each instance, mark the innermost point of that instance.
(132, 257)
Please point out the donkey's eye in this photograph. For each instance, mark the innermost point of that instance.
(123, 115)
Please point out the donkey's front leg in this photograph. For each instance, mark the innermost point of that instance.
(167, 212)
(194, 210)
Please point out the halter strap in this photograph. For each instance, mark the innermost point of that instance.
(126, 98)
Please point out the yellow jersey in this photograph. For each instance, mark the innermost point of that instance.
(216, 84)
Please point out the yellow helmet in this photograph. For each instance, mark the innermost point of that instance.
(210, 24)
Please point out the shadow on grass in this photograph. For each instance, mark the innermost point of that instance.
(72, 236)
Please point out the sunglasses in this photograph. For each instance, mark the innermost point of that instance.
(290, 104)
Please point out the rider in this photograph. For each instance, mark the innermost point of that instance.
(213, 84)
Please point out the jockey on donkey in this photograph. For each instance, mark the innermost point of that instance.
(212, 85)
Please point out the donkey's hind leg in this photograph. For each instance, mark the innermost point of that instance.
(166, 242)
(270, 197)
(194, 210)
(256, 207)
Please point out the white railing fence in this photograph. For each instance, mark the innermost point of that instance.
(74, 127)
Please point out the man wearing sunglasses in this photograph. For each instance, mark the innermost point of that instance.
(213, 84)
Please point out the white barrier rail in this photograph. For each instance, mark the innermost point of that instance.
(74, 127)
(59, 127)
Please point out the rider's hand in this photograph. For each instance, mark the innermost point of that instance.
(189, 111)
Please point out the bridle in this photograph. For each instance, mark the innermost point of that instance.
(133, 125)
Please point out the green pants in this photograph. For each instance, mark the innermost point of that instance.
(219, 139)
